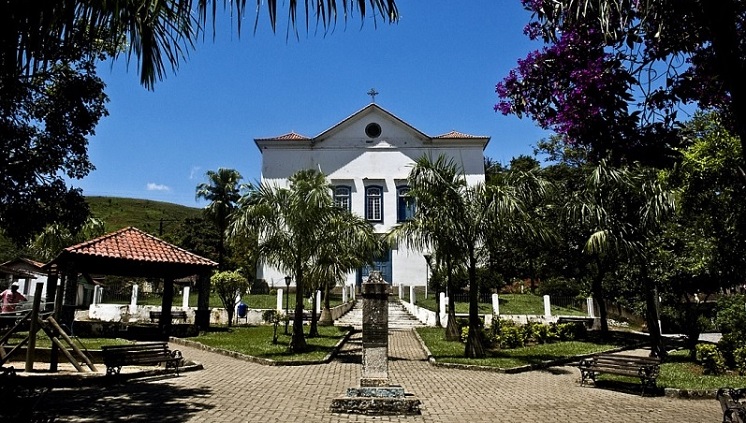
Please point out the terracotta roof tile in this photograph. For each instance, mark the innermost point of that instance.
(133, 244)
(290, 136)
(456, 135)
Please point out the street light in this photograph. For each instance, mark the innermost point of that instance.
(287, 301)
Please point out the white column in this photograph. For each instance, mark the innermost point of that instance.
(425, 291)
(279, 300)
(185, 297)
(344, 294)
(495, 305)
(443, 303)
(133, 299)
(97, 294)
(589, 305)
(547, 306)
(412, 298)
(400, 291)
(318, 302)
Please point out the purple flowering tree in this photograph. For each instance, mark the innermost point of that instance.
(614, 74)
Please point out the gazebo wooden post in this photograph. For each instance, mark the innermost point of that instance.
(164, 324)
(202, 315)
(67, 314)
(52, 278)
(59, 289)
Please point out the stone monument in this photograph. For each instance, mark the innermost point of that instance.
(375, 395)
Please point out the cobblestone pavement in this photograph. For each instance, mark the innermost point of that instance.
(231, 390)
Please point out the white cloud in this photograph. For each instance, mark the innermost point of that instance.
(152, 186)
(194, 171)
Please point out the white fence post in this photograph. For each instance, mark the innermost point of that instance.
(400, 291)
(495, 305)
(344, 294)
(133, 299)
(279, 300)
(318, 302)
(547, 306)
(96, 294)
(589, 305)
(411, 294)
(443, 303)
(185, 297)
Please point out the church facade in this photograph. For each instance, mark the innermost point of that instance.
(367, 158)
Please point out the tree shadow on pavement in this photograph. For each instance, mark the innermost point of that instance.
(135, 400)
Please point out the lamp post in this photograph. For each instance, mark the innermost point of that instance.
(287, 301)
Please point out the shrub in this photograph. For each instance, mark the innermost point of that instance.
(710, 359)
(559, 287)
(739, 356)
(544, 333)
(511, 337)
(571, 331)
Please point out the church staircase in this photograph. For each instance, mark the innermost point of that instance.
(399, 317)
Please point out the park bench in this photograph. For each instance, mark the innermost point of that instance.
(734, 411)
(140, 354)
(587, 321)
(645, 368)
(175, 315)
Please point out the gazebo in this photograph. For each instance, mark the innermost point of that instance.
(134, 253)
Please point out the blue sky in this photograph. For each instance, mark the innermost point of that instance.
(436, 69)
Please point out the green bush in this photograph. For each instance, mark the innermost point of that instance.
(710, 359)
(559, 287)
(544, 333)
(739, 356)
(571, 331)
(511, 336)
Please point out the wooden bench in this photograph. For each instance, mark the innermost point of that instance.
(141, 354)
(175, 315)
(587, 321)
(645, 368)
(734, 411)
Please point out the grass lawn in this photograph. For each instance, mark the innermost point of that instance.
(509, 304)
(256, 341)
(453, 352)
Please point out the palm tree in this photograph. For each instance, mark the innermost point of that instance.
(456, 220)
(623, 209)
(57, 237)
(223, 192)
(295, 227)
(156, 32)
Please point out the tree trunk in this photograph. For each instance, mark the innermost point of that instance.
(651, 315)
(437, 309)
(314, 330)
(452, 330)
(298, 340)
(326, 313)
(474, 347)
(598, 293)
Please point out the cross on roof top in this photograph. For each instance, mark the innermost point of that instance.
(372, 93)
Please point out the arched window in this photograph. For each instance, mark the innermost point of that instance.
(405, 205)
(342, 197)
(374, 204)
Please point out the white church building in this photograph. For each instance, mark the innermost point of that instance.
(367, 158)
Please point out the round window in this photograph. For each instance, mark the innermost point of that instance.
(373, 130)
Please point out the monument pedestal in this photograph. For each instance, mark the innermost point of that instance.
(376, 396)
(380, 401)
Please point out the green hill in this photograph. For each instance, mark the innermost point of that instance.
(147, 215)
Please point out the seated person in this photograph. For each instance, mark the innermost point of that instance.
(11, 297)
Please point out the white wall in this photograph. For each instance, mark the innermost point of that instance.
(348, 157)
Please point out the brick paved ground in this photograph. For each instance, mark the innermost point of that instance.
(230, 390)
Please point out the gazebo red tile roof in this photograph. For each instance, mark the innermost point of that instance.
(132, 252)
(458, 135)
(133, 244)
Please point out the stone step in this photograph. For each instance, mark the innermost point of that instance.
(399, 318)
